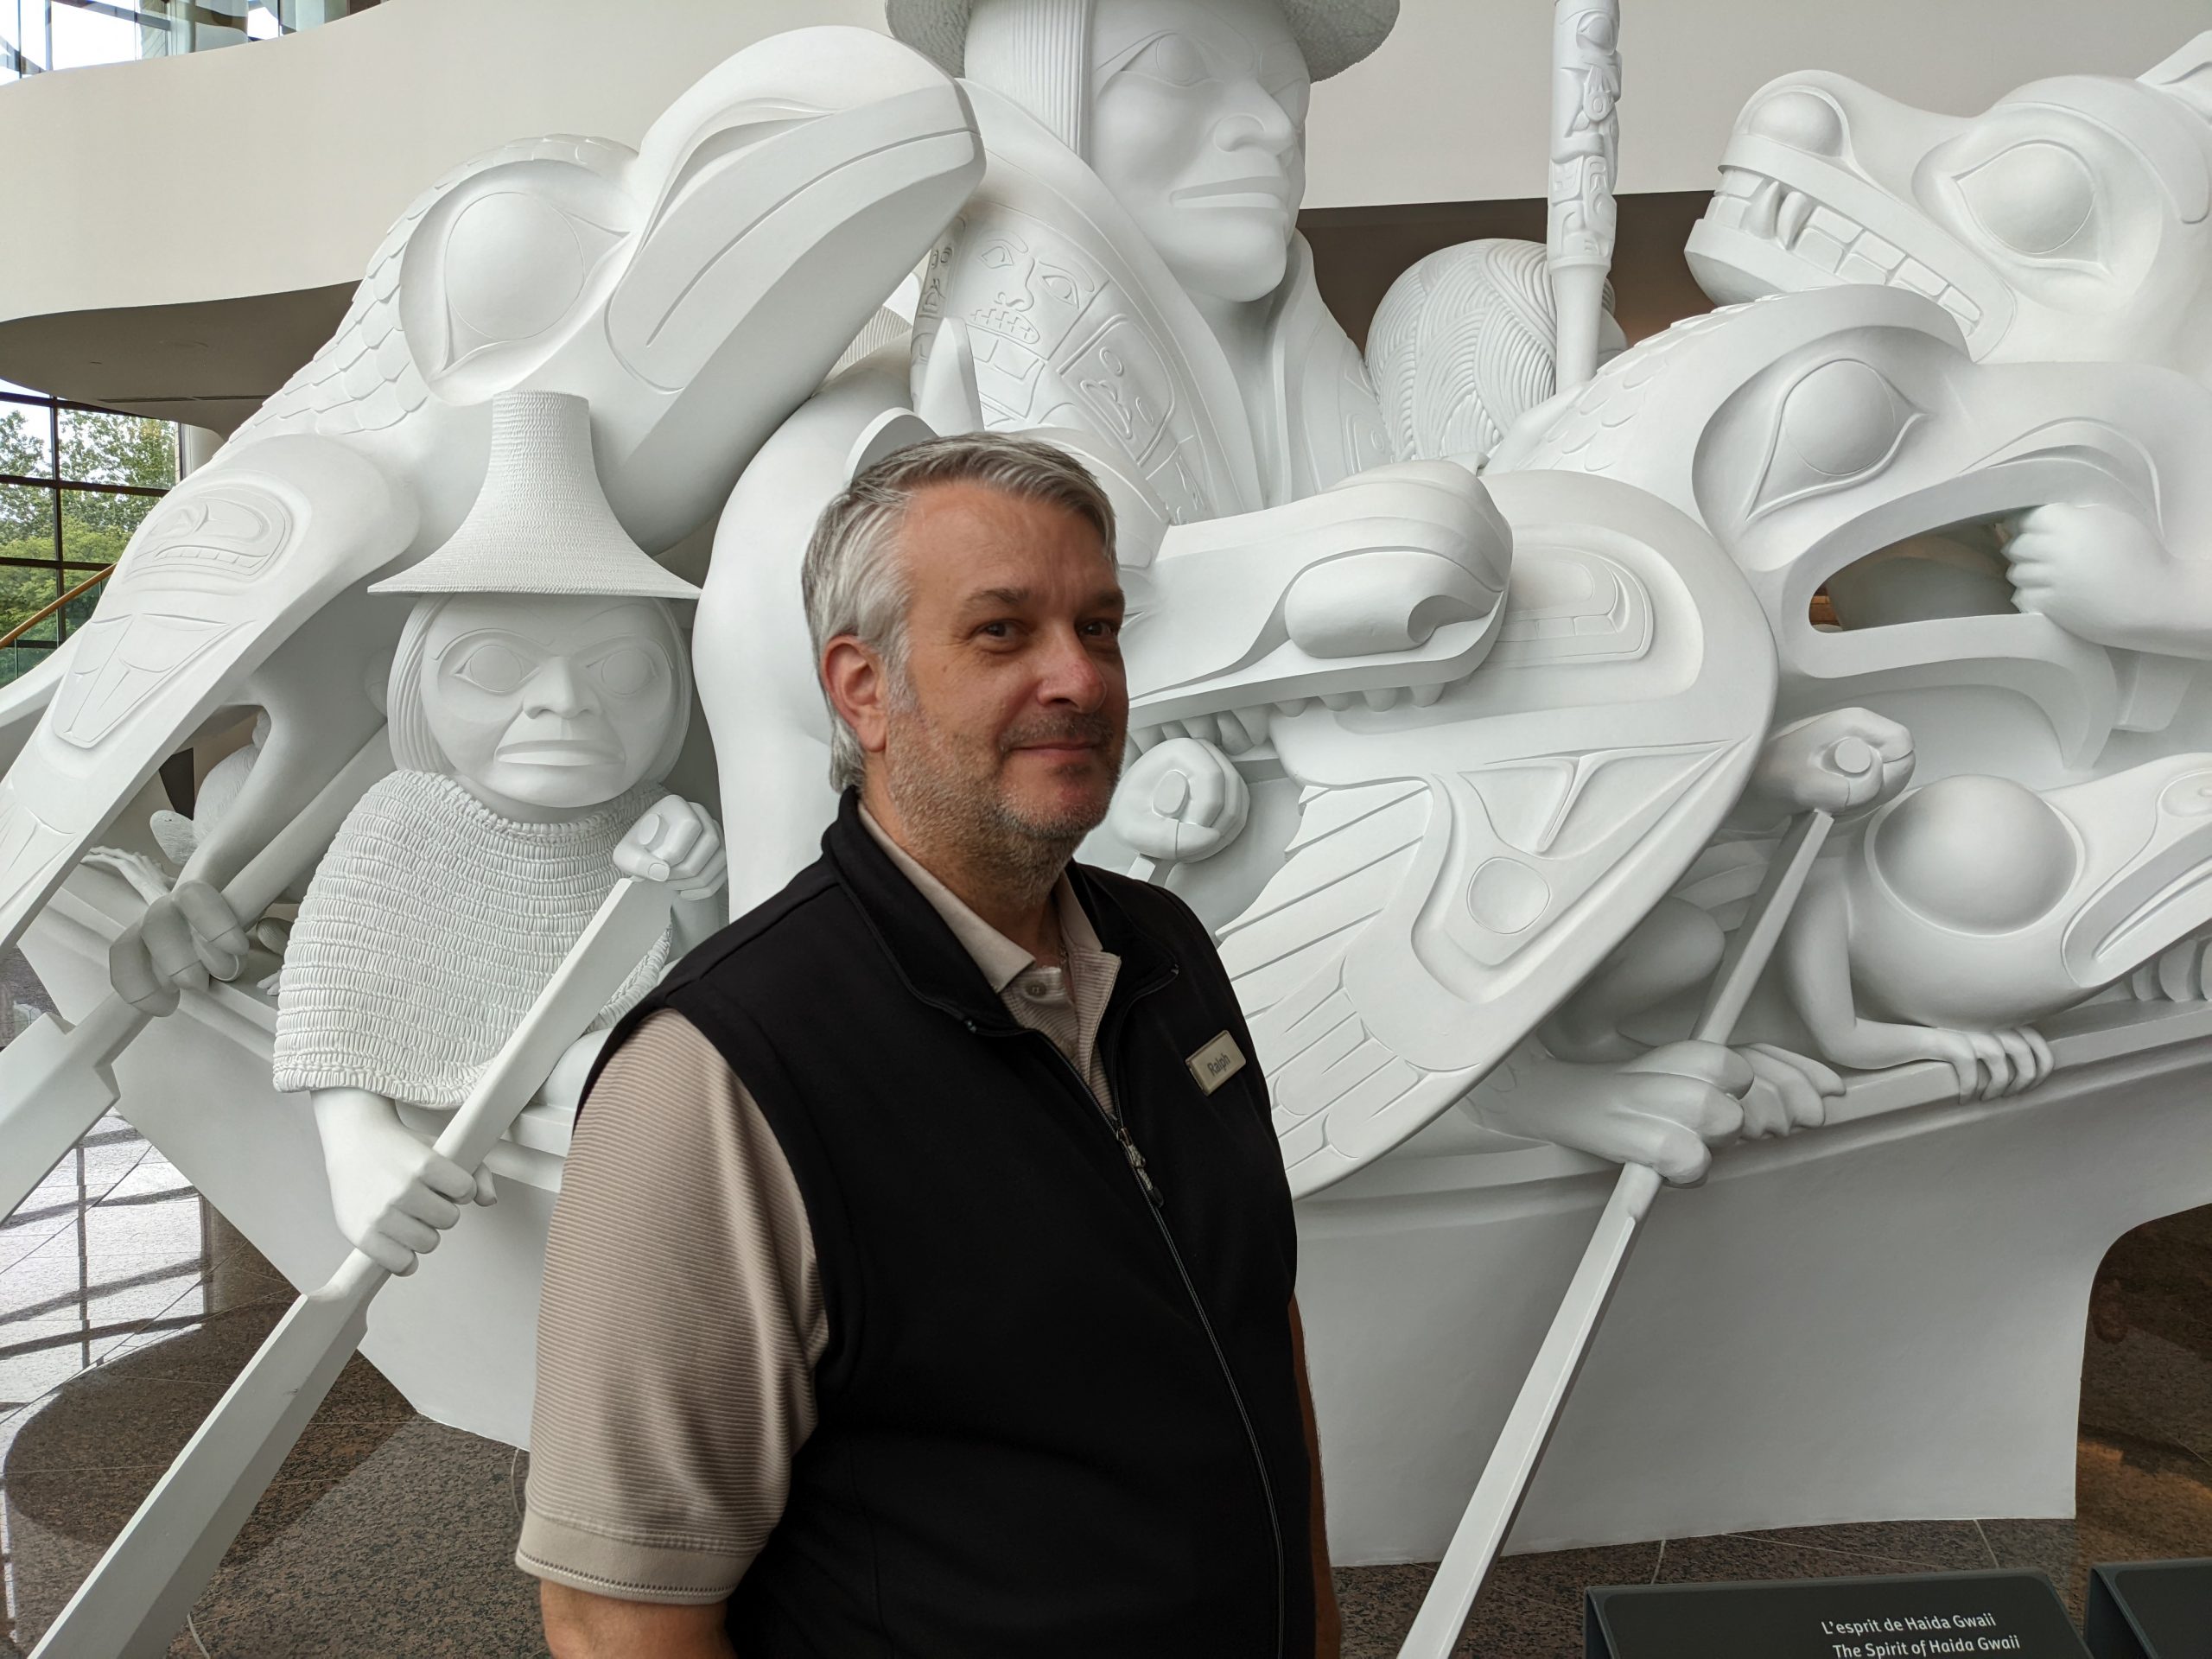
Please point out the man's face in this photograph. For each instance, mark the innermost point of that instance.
(1009, 717)
(1198, 129)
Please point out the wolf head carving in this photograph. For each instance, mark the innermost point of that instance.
(2071, 221)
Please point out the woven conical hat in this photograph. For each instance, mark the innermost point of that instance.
(1333, 34)
(541, 524)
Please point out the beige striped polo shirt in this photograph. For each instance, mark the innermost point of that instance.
(683, 1311)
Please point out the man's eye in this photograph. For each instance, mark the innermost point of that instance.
(997, 630)
(1110, 628)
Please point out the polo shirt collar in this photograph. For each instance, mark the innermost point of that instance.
(1001, 960)
(925, 939)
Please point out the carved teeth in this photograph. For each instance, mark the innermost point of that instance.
(1960, 307)
(1887, 255)
(1759, 211)
(1789, 221)
(1921, 280)
(1826, 240)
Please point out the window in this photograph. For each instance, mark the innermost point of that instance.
(36, 35)
(75, 481)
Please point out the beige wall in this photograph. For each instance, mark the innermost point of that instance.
(1452, 107)
(276, 167)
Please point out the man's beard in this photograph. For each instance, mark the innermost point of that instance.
(953, 798)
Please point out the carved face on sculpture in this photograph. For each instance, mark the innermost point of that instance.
(1034, 299)
(1198, 128)
(542, 704)
(2072, 221)
(1877, 486)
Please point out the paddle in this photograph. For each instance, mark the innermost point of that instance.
(1535, 1411)
(136, 1598)
(56, 1080)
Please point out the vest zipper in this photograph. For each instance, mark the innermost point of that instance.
(1155, 1204)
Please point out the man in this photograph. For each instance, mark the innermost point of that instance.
(921, 1280)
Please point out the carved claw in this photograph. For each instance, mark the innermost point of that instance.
(1988, 1065)
(1788, 1091)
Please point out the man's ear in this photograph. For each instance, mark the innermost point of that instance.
(859, 688)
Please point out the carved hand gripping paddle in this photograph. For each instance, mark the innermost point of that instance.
(230, 564)
(137, 1597)
(56, 1080)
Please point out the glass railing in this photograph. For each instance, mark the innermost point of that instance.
(25, 647)
(37, 35)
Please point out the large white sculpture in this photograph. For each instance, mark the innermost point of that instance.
(1475, 776)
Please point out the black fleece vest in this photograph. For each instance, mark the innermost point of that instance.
(1058, 1418)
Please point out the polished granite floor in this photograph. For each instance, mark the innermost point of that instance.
(127, 1304)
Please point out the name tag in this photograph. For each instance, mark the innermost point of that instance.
(1216, 1063)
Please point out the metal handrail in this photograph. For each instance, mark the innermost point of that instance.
(37, 617)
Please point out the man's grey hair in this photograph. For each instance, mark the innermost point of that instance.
(854, 583)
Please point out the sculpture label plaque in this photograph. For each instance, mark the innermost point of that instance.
(2150, 1610)
(1921, 1616)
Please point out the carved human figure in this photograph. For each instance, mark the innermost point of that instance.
(220, 939)
(1845, 762)
(1967, 910)
(539, 694)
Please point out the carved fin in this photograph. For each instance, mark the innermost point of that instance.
(2187, 75)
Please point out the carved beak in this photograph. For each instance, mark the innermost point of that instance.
(777, 234)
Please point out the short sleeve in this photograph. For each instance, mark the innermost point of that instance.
(682, 1318)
